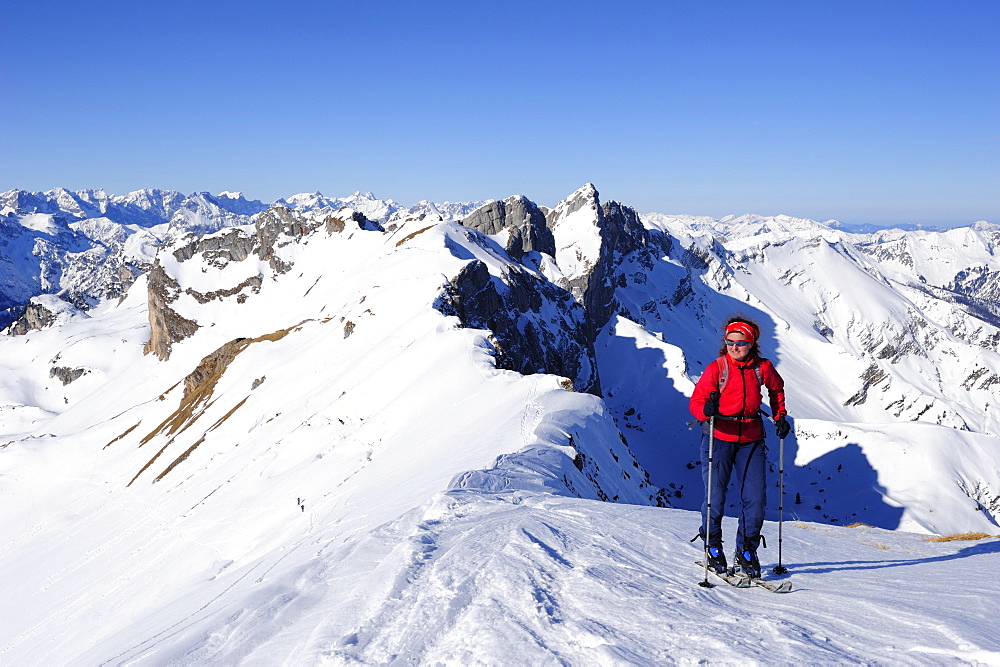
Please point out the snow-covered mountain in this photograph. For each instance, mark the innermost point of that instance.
(87, 245)
(335, 431)
(382, 210)
(888, 348)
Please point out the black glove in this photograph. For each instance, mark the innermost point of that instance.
(711, 408)
(782, 427)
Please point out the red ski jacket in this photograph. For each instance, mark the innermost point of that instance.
(740, 398)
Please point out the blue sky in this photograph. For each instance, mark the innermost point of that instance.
(865, 112)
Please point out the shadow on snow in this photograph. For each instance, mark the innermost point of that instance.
(980, 548)
(841, 487)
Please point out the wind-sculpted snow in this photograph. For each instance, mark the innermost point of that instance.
(374, 442)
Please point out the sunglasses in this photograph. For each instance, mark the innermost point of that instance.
(738, 343)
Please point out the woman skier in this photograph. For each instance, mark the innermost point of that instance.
(730, 391)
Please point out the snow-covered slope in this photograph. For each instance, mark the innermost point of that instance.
(320, 437)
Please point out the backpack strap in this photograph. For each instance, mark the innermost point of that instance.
(724, 372)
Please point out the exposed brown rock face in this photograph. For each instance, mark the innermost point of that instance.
(36, 316)
(199, 387)
(126, 277)
(202, 380)
(166, 326)
(338, 223)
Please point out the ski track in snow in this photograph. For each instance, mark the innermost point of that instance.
(540, 579)
(544, 579)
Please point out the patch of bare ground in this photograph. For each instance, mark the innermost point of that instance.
(959, 537)
(410, 236)
(199, 388)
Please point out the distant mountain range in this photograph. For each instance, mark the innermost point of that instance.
(88, 245)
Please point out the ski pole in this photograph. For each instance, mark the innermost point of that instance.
(708, 501)
(781, 569)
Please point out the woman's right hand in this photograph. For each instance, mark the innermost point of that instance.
(711, 408)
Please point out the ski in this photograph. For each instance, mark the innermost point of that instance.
(739, 580)
(734, 580)
(783, 587)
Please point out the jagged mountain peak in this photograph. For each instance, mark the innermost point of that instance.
(584, 198)
(587, 190)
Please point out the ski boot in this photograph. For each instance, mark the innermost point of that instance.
(747, 563)
(717, 559)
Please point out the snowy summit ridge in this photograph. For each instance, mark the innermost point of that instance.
(339, 430)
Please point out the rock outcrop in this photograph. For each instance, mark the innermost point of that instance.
(280, 226)
(43, 311)
(588, 242)
(67, 375)
(233, 245)
(35, 317)
(166, 325)
(592, 240)
(275, 228)
(344, 220)
(536, 326)
(521, 219)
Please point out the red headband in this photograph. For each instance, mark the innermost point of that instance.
(743, 328)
